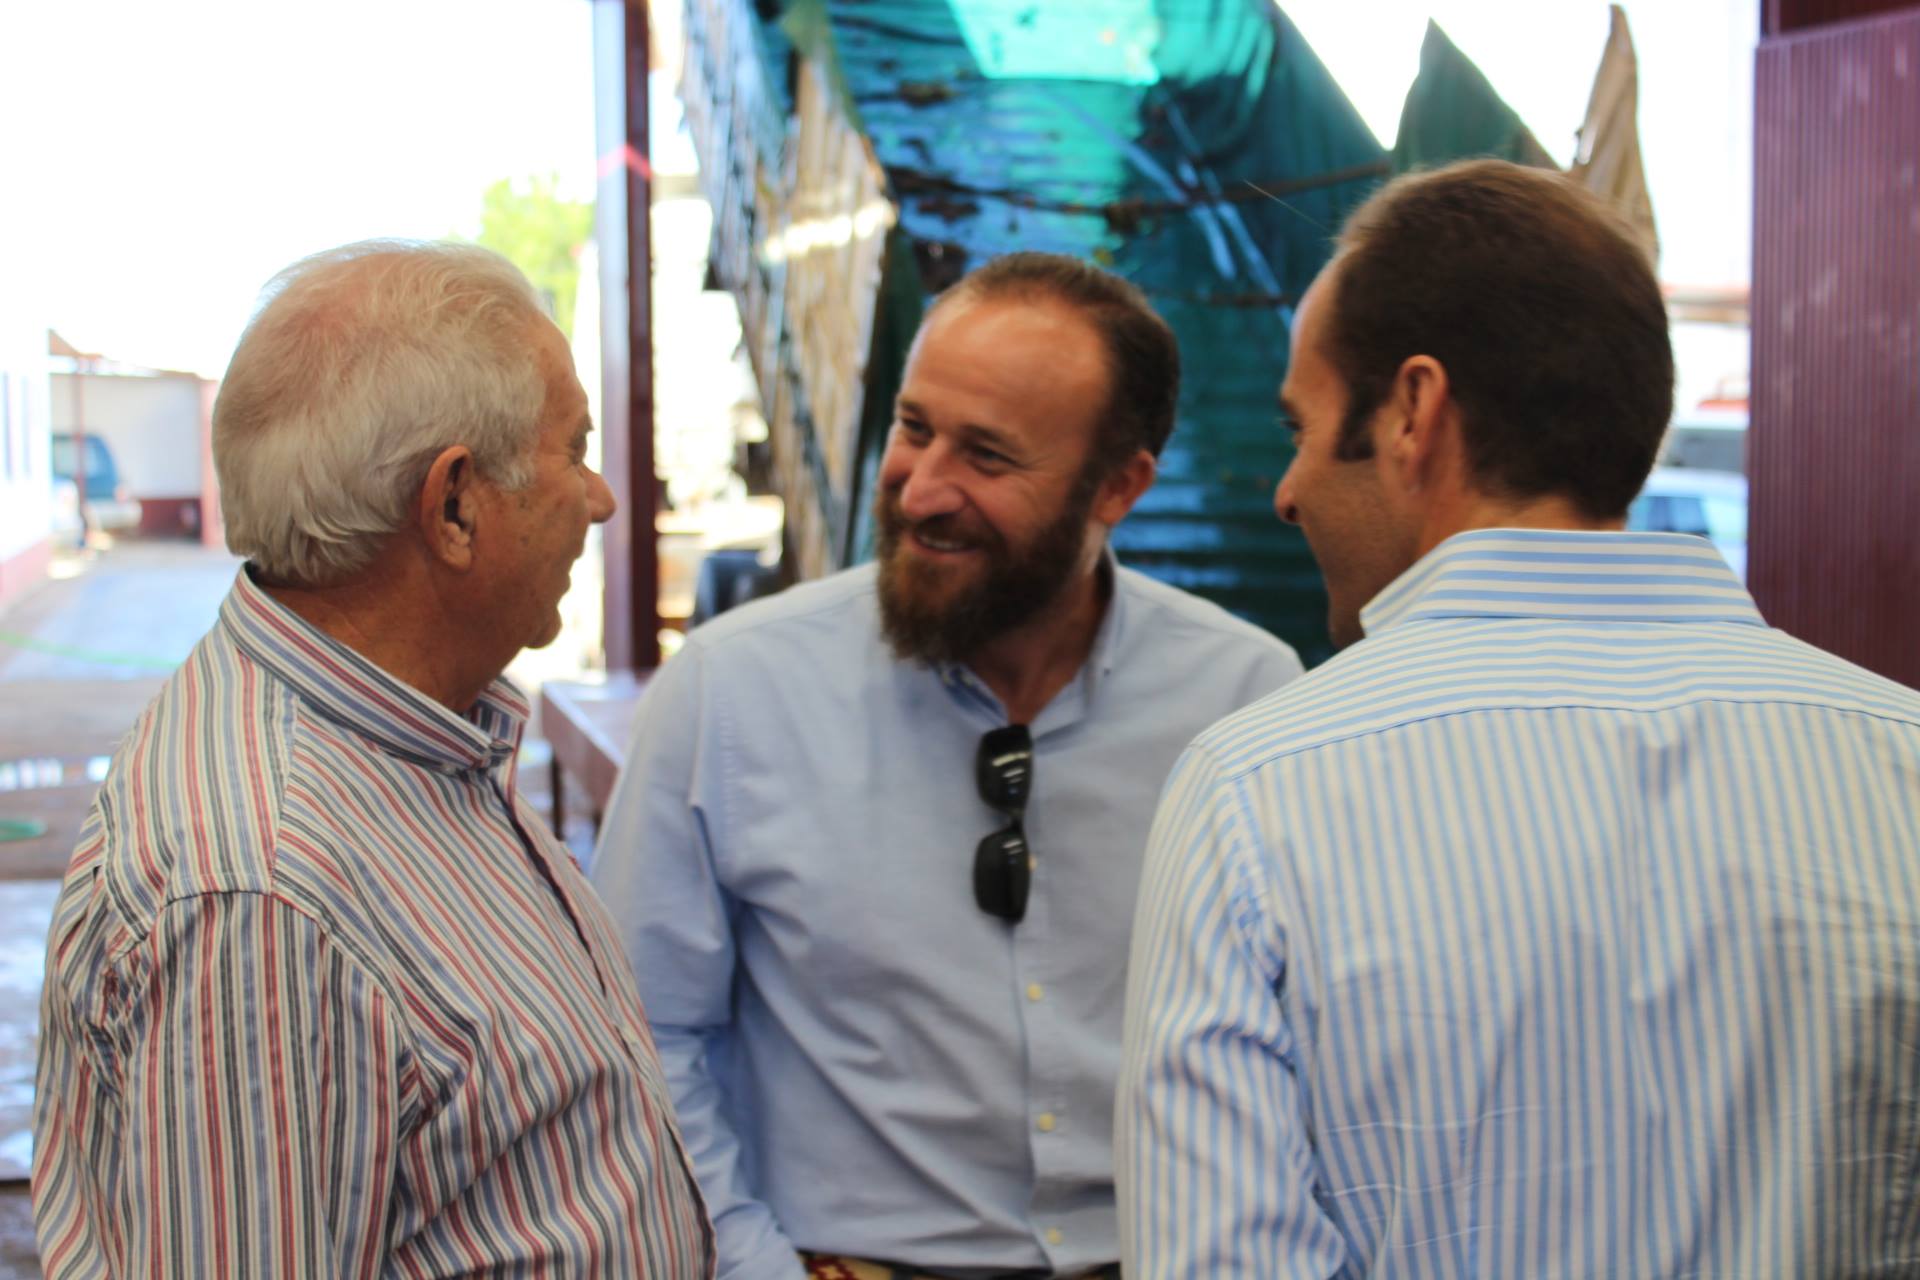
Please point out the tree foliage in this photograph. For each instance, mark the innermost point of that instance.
(526, 221)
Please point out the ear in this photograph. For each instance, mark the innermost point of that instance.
(448, 508)
(1419, 434)
(1123, 487)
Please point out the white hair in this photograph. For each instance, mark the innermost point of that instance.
(361, 365)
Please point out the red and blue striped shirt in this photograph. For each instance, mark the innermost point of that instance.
(325, 998)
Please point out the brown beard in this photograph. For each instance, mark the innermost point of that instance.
(922, 622)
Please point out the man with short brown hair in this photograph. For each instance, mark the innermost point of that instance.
(1567, 923)
(874, 852)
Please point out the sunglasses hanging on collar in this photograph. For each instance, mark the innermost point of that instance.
(1002, 864)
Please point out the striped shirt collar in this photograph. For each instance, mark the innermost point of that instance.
(347, 689)
(1565, 574)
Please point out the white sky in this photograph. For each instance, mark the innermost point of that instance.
(1696, 94)
(162, 158)
(182, 151)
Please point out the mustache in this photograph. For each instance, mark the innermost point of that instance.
(952, 526)
(942, 529)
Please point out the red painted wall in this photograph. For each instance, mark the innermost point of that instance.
(170, 518)
(24, 569)
(1783, 17)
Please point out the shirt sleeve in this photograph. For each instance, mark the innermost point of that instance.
(1214, 1163)
(226, 1104)
(654, 869)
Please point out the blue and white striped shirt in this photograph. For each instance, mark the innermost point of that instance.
(1568, 925)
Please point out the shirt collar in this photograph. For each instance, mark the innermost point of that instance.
(1106, 641)
(347, 689)
(1576, 575)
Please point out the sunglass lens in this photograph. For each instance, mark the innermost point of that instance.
(1002, 874)
(1004, 768)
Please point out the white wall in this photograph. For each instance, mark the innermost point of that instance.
(26, 476)
(151, 422)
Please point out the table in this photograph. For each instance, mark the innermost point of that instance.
(588, 723)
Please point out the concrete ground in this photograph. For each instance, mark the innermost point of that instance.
(80, 656)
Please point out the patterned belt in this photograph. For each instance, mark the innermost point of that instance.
(830, 1266)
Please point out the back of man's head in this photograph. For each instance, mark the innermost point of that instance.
(1540, 306)
(363, 363)
(1143, 357)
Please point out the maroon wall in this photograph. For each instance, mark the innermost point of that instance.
(622, 231)
(1834, 450)
(1782, 17)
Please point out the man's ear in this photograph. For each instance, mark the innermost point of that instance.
(1123, 487)
(1420, 431)
(448, 508)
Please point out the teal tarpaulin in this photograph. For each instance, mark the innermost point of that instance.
(1198, 147)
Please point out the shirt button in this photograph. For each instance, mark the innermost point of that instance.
(1046, 1122)
(1034, 993)
(1054, 1236)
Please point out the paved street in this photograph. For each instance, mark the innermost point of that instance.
(127, 613)
(79, 657)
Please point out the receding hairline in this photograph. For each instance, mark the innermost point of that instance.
(947, 308)
(1139, 352)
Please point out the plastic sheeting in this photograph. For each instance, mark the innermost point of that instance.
(1198, 147)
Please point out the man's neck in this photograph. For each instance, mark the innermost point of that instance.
(1487, 511)
(392, 621)
(1027, 666)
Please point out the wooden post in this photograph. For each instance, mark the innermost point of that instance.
(622, 231)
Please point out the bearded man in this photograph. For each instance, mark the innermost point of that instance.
(875, 850)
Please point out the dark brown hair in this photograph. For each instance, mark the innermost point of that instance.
(1143, 358)
(1543, 311)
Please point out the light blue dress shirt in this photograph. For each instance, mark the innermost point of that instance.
(1568, 925)
(863, 1061)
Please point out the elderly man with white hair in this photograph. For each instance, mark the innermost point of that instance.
(323, 996)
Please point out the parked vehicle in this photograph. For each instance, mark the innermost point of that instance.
(1710, 439)
(1712, 504)
(107, 506)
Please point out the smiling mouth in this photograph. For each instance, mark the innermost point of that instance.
(943, 546)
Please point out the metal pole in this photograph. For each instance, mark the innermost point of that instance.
(642, 487)
(80, 367)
